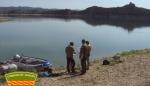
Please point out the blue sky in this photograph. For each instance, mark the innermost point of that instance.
(73, 4)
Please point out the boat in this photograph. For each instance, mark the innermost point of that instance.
(31, 63)
(6, 67)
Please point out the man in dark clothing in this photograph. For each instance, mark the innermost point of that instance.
(88, 54)
(83, 56)
(69, 55)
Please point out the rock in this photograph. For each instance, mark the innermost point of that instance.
(106, 62)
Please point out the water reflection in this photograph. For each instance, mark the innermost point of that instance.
(125, 24)
(48, 37)
(128, 25)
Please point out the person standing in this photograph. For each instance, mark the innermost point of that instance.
(88, 54)
(69, 56)
(83, 56)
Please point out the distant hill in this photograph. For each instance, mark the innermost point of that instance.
(129, 16)
(21, 10)
(127, 11)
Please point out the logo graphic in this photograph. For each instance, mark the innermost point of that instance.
(21, 78)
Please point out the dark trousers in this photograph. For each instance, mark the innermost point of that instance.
(70, 65)
(88, 62)
(83, 65)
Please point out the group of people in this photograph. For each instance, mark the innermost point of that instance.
(84, 55)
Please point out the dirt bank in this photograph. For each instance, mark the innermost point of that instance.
(133, 71)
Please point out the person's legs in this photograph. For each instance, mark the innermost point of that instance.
(83, 64)
(88, 63)
(68, 65)
(72, 65)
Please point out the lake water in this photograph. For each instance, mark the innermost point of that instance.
(48, 37)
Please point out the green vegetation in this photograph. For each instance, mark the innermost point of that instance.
(131, 53)
(135, 52)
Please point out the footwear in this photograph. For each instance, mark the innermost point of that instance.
(68, 72)
(82, 73)
(74, 71)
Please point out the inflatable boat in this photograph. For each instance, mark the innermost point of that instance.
(27, 63)
(5, 67)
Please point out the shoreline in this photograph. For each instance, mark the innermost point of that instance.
(132, 71)
(122, 54)
(134, 67)
(3, 19)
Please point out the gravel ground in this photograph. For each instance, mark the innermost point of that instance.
(133, 71)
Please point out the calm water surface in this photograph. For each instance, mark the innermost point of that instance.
(47, 38)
